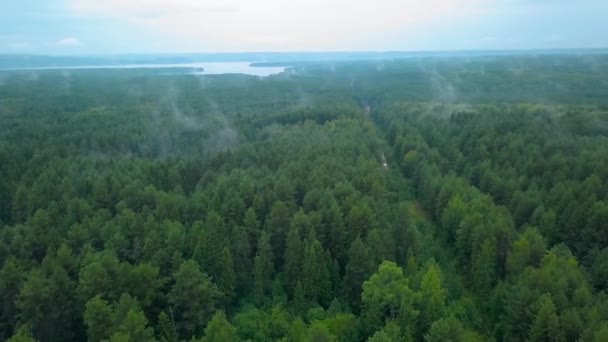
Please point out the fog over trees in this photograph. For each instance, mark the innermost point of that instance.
(419, 199)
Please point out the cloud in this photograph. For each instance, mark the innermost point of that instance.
(138, 7)
(330, 25)
(68, 41)
(277, 24)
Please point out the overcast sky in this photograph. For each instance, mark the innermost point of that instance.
(173, 26)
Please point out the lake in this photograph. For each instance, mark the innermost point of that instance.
(237, 68)
(209, 68)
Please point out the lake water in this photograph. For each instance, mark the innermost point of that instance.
(209, 68)
(237, 68)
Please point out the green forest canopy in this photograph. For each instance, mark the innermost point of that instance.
(138, 205)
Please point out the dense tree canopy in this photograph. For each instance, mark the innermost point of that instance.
(423, 200)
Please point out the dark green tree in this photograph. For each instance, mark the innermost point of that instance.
(263, 270)
(358, 269)
(219, 329)
(294, 255)
(98, 317)
(546, 325)
(316, 273)
(193, 298)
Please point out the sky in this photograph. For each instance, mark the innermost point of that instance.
(93, 27)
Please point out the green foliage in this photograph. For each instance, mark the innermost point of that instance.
(220, 330)
(316, 274)
(263, 269)
(98, 318)
(389, 333)
(432, 297)
(294, 256)
(262, 325)
(298, 331)
(546, 325)
(22, 335)
(122, 322)
(446, 329)
(166, 328)
(227, 279)
(193, 299)
(11, 279)
(387, 297)
(133, 328)
(358, 269)
(135, 205)
(484, 268)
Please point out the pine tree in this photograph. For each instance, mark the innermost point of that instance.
(411, 268)
(292, 269)
(242, 261)
(299, 302)
(227, 280)
(446, 329)
(386, 297)
(251, 224)
(278, 222)
(390, 333)
(360, 219)
(11, 278)
(263, 270)
(22, 335)
(219, 329)
(208, 251)
(166, 328)
(336, 280)
(98, 319)
(316, 274)
(337, 244)
(20, 209)
(546, 326)
(400, 234)
(298, 331)
(134, 328)
(484, 268)
(358, 269)
(193, 298)
(433, 297)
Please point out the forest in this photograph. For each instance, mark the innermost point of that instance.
(420, 199)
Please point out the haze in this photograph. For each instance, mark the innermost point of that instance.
(156, 26)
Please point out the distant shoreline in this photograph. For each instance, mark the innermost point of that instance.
(13, 61)
(197, 69)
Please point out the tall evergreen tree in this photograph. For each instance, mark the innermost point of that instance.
(484, 268)
(98, 319)
(219, 329)
(11, 279)
(212, 240)
(227, 279)
(316, 273)
(358, 269)
(193, 298)
(166, 328)
(432, 296)
(263, 269)
(546, 325)
(294, 254)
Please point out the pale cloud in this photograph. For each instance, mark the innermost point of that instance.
(138, 7)
(278, 24)
(68, 41)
